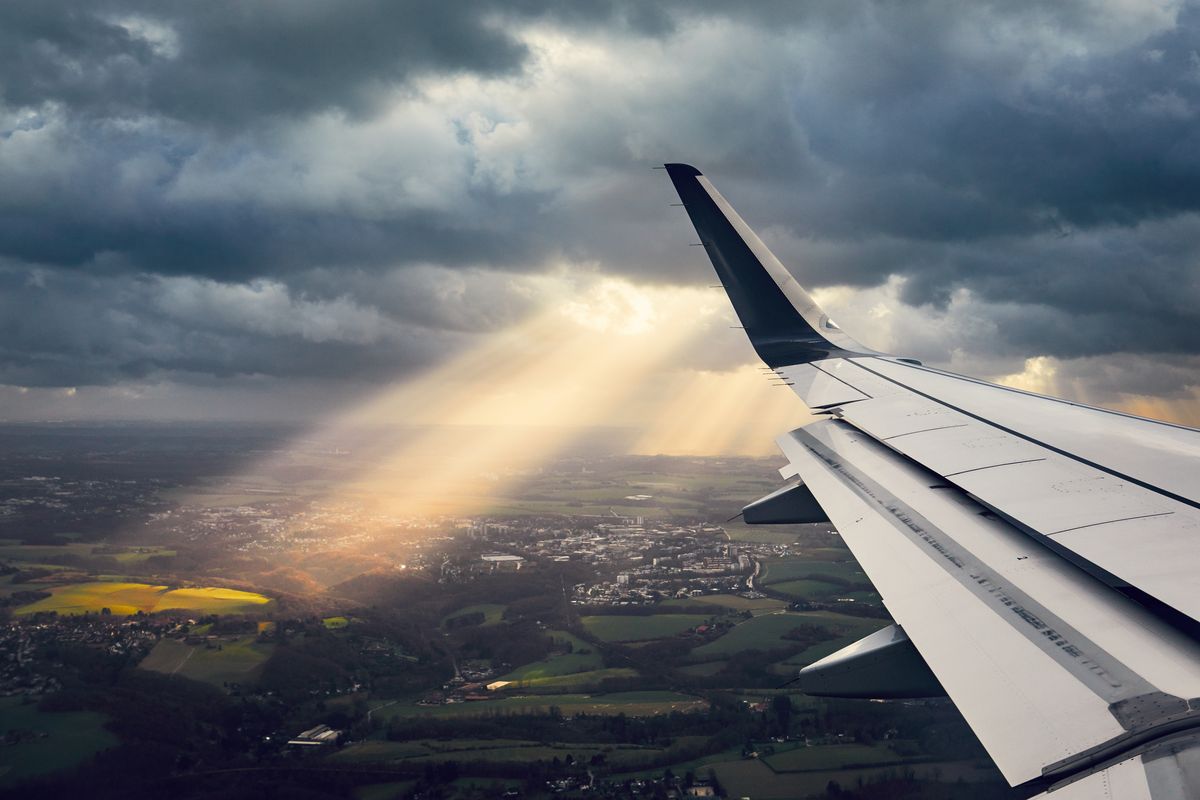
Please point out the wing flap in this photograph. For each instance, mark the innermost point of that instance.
(1004, 684)
(1123, 781)
(1040, 657)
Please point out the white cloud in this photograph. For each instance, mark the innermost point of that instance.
(270, 308)
(162, 38)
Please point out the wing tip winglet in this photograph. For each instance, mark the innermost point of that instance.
(682, 171)
(774, 318)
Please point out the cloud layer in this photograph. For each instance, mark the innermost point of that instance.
(195, 195)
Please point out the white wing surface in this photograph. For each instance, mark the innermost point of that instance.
(1039, 556)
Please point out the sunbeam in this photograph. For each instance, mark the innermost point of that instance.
(453, 440)
(721, 413)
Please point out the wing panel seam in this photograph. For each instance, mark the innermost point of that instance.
(815, 365)
(1035, 395)
(994, 466)
(1111, 521)
(923, 430)
(1033, 440)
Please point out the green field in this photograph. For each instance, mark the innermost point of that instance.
(237, 660)
(766, 632)
(334, 623)
(730, 601)
(832, 756)
(760, 633)
(630, 628)
(141, 554)
(49, 742)
(861, 596)
(384, 791)
(705, 670)
(53, 575)
(791, 569)
(11, 550)
(493, 613)
(123, 599)
(494, 750)
(582, 658)
(760, 534)
(380, 751)
(633, 704)
(805, 588)
(753, 778)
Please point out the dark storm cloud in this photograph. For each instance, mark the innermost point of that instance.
(118, 79)
(121, 77)
(227, 63)
(912, 123)
(1066, 194)
(88, 223)
(1095, 141)
(315, 168)
(223, 63)
(924, 134)
(65, 329)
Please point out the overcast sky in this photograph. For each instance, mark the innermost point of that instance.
(232, 209)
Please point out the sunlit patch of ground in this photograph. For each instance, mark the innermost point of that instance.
(584, 657)
(234, 660)
(124, 599)
(631, 628)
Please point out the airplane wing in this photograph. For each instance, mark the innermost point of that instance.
(1039, 557)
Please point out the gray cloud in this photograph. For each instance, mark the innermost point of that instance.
(64, 329)
(224, 63)
(339, 191)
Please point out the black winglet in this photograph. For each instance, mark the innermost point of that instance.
(782, 321)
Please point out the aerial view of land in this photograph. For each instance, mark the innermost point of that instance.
(604, 629)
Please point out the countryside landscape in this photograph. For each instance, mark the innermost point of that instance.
(183, 619)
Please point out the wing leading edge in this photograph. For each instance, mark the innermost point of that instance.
(1038, 554)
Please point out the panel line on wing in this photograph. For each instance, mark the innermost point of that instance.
(1035, 395)
(923, 430)
(817, 366)
(1111, 521)
(1033, 440)
(993, 466)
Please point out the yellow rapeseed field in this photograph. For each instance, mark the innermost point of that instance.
(124, 599)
